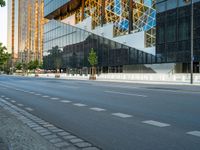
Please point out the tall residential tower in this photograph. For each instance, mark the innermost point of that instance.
(25, 29)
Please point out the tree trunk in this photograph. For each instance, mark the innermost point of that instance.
(93, 73)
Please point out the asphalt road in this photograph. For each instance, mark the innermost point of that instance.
(113, 116)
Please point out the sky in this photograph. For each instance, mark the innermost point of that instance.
(3, 25)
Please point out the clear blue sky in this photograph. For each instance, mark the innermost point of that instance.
(3, 25)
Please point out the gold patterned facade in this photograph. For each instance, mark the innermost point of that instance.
(25, 29)
(127, 16)
(31, 21)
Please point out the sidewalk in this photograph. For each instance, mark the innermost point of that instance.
(16, 136)
(20, 130)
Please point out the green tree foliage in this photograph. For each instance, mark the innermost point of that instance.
(92, 58)
(32, 65)
(2, 3)
(18, 66)
(4, 56)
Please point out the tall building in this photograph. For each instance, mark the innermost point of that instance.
(173, 37)
(25, 29)
(12, 35)
(122, 32)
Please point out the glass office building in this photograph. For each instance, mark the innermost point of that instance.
(67, 47)
(173, 37)
(122, 32)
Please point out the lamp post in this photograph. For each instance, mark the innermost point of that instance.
(192, 42)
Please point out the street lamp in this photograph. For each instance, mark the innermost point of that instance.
(192, 37)
(192, 42)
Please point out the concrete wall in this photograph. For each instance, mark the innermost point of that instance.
(125, 77)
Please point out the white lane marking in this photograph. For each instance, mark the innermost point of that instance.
(45, 96)
(54, 98)
(20, 105)
(97, 109)
(156, 123)
(29, 109)
(32, 92)
(79, 105)
(194, 133)
(7, 98)
(129, 94)
(65, 101)
(13, 101)
(122, 115)
(2, 96)
(37, 94)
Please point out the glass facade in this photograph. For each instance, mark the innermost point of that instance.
(173, 39)
(66, 46)
(52, 5)
(25, 29)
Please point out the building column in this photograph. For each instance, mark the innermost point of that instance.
(130, 16)
(82, 10)
(102, 12)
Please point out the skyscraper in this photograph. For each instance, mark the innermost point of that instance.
(25, 29)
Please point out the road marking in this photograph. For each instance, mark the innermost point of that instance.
(13, 101)
(37, 94)
(156, 123)
(79, 105)
(2, 96)
(122, 115)
(54, 98)
(194, 133)
(7, 98)
(65, 101)
(29, 109)
(32, 92)
(45, 96)
(129, 94)
(20, 105)
(97, 109)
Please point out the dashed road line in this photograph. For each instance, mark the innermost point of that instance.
(45, 96)
(54, 98)
(20, 105)
(7, 98)
(156, 123)
(65, 101)
(97, 109)
(128, 94)
(194, 133)
(29, 109)
(37, 94)
(13, 101)
(79, 105)
(32, 92)
(122, 115)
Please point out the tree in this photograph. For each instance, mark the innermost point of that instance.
(32, 65)
(18, 66)
(93, 60)
(4, 56)
(2, 3)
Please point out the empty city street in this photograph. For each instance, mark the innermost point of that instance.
(111, 115)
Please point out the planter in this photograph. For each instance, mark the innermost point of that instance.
(57, 76)
(92, 78)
